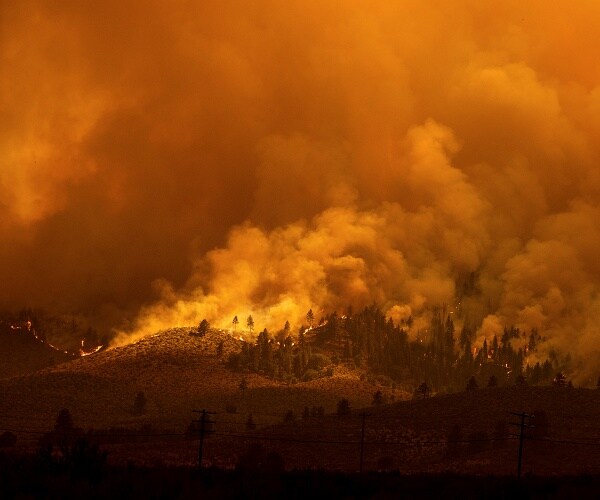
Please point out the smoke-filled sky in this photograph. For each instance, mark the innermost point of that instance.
(162, 162)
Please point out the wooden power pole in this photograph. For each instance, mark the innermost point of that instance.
(204, 430)
(362, 440)
(522, 426)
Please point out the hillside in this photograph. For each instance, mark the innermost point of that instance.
(462, 433)
(177, 373)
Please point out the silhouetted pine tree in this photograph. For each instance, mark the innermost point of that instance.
(139, 404)
(472, 385)
(343, 407)
(377, 399)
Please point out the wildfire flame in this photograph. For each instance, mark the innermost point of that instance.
(28, 325)
(83, 353)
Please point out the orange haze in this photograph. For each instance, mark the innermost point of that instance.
(178, 160)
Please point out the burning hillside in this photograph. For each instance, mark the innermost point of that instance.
(24, 346)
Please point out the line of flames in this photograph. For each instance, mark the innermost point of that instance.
(81, 353)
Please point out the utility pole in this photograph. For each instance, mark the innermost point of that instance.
(522, 426)
(203, 421)
(362, 440)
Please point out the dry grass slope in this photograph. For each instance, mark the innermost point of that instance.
(177, 373)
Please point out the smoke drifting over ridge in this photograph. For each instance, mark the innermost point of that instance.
(264, 159)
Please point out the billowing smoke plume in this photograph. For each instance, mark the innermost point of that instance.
(195, 159)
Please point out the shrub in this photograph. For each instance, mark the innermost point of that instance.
(343, 407)
(234, 361)
(310, 375)
(422, 391)
(472, 385)
(139, 405)
(318, 361)
(377, 399)
(203, 328)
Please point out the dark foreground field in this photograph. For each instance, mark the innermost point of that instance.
(29, 479)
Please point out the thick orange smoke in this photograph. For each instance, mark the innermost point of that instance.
(267, 158)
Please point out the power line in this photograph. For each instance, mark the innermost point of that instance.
(348, 442)
(281, 438)
(300, 424)
(451, 441)
(284, 439)
(568, 441)
(94, 434)
(274, 438)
